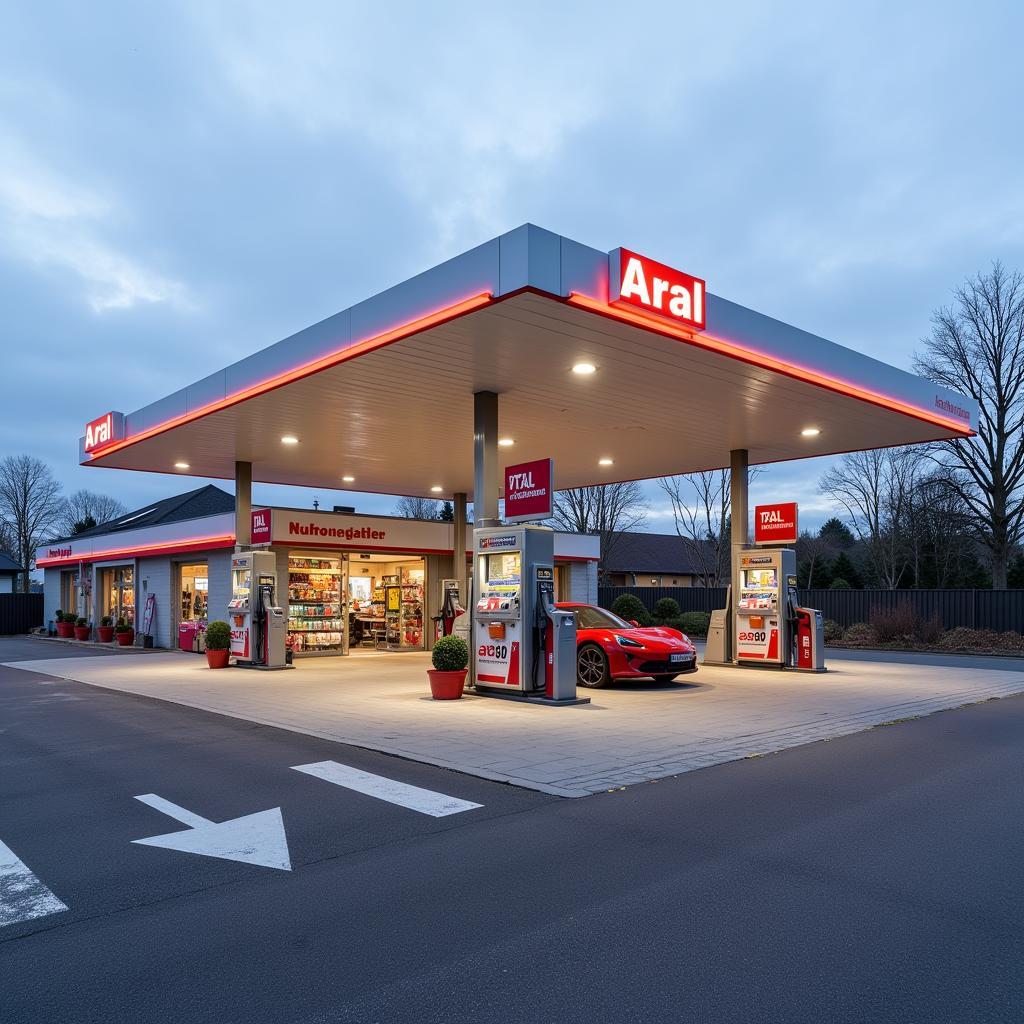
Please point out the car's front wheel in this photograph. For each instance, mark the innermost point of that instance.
(592, 667)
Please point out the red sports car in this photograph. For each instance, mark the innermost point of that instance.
(608, 648)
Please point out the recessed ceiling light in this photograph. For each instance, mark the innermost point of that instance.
(810, 432)
(437, 490)
(289, 439)
(605, 462)
(584, 369)
(181, 465)
(505, 442)
(348, 479)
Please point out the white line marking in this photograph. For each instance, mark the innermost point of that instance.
(426, 801)
(252, 839)
(22, 896)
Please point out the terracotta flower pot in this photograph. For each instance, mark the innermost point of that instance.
(217, 659)
(82, 632)
(126, 639)
(66, 630)
(446, 685)
(105, 634)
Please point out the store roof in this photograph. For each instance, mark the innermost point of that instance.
(383, 391)
(655, 552)
(8, 566)
(208, 500)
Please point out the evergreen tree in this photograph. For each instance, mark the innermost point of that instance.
(837, 534)
(446, 513)
(1015, 574)
(844, 569)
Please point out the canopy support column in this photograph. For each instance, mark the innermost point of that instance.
(740, 517)
(243, 504)
(459, 546)
(485, 459)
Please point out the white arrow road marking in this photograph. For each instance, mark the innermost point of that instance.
(22, 895)
(253, 839)
(426, 801)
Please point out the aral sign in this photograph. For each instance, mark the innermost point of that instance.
(638, 281)
(528, 491)
(103, 431)
(260, 529)
(776, 524)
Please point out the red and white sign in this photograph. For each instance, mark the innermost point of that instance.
(776, 524)
(259, 527)
(528, 491)
(637, 281)
(103, 431)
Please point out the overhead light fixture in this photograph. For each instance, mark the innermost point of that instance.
(289, 439)
(505, 442)
(348, 479)
(436, 490)
(605, 462)
(810, 432)
(584, 369)
(181, 465)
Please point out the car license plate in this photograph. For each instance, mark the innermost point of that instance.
(679, 657)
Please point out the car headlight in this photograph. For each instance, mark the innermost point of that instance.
(625, 641)
(686, 639)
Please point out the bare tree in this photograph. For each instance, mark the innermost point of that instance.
(84, 505)
(605, 509)
(813, 552)
(702, 513)
(418, 508)
(876, 489)
(977, 348)
(30, 504)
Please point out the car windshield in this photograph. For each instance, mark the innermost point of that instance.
(598, 618)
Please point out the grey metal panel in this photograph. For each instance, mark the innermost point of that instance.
(203, 392)
(584, 270)
(175, 404)
(530, 257)
(321, 339)
(472, 273)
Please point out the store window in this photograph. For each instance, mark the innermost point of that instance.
(118, 593)
(315, 610)
(74, 594)
(195, 588)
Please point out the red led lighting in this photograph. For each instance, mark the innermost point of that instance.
(767, 362)
(169, 547)
(422, 323)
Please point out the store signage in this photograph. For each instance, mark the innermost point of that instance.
(259, 527)
(311, 529)
(638, 281)
(776, 524)
(528, 491)
(103, 431)
(952, 409)
(58, 552)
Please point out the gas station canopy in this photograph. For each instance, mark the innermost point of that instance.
(380, 397)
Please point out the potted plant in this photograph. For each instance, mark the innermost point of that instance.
(105, 630)
(448, 676)
(65, 622)
(82, 629)
(124, 633)
(218, 644)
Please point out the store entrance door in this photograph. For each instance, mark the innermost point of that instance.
(386, 602)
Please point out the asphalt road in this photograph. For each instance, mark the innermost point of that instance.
(871, 878)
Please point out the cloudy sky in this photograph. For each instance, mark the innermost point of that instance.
(184, 183)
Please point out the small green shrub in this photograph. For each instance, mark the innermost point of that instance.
(833, 632)
(122, 627)
(106, 621)
(694, 623)
(631, 608)
(81, 622)
(839, 584)
(666, 609)
(218, 636)
(450, 654)
(58, 615)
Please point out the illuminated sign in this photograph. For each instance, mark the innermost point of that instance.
(637, 281)
(259, 527)
(103, 431)
(528, 491)
(776, 524)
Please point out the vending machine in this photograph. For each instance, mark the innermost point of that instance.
(522, 644)
(762, 606)
(259, 625)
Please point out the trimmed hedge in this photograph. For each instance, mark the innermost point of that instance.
(631, 608)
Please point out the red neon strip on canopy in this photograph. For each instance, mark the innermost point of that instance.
(143, 550)
(767, 362)
(439, 316)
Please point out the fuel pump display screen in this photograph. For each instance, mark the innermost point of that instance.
(504, 572)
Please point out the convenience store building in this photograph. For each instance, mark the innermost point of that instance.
(174, 558)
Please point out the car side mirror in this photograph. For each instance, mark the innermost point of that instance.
(633, 622)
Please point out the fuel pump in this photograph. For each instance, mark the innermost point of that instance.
(258, 624)
(451, 609)
(807, 633)
(556, 643)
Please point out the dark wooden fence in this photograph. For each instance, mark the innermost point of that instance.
(978, 609)
(20, 613)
